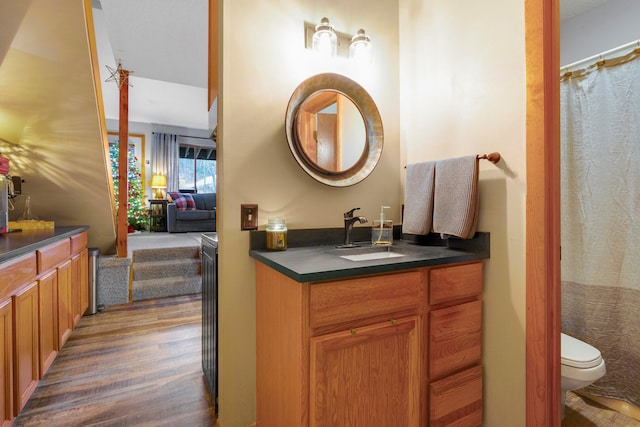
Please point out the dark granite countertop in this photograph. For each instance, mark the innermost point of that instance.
(324, 262)
(18, 243)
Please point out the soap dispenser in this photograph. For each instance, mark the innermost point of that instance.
(382, 230)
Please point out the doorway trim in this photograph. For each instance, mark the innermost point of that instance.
(542, 47)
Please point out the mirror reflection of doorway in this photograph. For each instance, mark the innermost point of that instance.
(328, 140)
(331, 131)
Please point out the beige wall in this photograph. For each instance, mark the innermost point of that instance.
(48, 111)
(263, 60)
(462, 75)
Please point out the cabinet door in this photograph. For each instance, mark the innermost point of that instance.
(79, 285)
(365, 377)
(48, 307)
(65, 305)
(26, 370)
(6, 363)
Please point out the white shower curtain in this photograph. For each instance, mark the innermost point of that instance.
(600, 187)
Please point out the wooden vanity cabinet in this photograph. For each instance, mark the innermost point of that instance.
(401, 349)
(365, 350)
(455, 345)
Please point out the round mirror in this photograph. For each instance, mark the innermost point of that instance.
(334, 130)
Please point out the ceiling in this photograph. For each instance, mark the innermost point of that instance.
(572, 8)
(164, 44)
(159, 39)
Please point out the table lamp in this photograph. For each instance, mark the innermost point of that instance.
(158, 184)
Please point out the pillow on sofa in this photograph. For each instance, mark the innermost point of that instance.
(183, 201)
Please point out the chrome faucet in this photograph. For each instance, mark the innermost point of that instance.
(349, 220)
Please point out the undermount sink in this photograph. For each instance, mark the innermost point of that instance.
(368, 253)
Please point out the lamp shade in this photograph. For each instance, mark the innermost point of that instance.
(159, 181)
(325, 40)
(360, 47)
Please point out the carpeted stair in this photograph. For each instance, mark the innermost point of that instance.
(165, 272)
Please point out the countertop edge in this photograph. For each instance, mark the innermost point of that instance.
(59, 234)
(367, 269)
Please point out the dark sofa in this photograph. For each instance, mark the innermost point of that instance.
(202, 218)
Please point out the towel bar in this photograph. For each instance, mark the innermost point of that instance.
(492, 157)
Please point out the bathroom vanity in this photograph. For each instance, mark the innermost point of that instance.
(390, 341)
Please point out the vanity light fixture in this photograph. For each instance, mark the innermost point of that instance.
(325, 40)
(360, 47)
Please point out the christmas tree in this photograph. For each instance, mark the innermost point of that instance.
(136, 210)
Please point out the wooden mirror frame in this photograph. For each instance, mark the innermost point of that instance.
(372, 122)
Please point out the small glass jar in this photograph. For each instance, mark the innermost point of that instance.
(276, 235)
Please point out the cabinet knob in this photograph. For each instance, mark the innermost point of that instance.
(353, 331)
(393, 321)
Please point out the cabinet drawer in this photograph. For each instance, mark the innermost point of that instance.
(347, 300)
(16, 273)
(457, 400)
(451, 283)
(53, 254)
(78, 242)
(455, 338)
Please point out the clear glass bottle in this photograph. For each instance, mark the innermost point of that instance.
(276, 235)
(382, 230)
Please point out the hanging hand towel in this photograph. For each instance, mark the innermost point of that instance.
(418, 198)
(455, 200)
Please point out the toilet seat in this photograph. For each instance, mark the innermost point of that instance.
(578, 354)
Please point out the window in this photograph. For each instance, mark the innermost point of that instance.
(197, 167)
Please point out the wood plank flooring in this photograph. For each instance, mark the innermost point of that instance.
(136, 364)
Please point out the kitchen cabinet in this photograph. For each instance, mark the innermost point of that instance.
(6, 363)
(26, 371)
(65, 314)
(401, 348)
(79, 284)
(48, 320)
(36, 310)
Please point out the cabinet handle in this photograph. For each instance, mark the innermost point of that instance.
(393, 321)
(353, 331)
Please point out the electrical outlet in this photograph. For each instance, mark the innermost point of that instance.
(248, 217)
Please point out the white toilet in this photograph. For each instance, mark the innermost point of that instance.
(581, 365)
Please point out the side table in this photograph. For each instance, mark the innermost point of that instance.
(157, 215)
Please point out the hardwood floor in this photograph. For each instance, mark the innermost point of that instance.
(136, 364)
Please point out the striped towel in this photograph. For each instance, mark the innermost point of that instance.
(455, 200)
(418, 198)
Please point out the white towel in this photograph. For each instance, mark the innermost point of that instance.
(455, 199)
(418, 198)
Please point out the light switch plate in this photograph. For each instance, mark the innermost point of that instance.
(248, 217)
